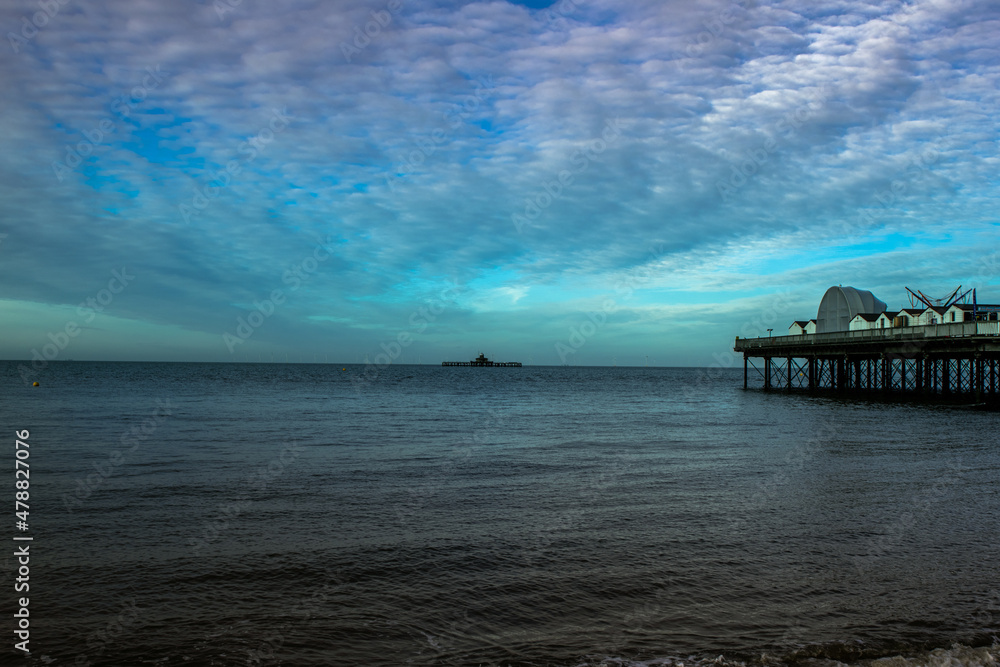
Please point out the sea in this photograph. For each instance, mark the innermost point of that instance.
(321, 514)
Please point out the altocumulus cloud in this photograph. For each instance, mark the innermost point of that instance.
(764, 148)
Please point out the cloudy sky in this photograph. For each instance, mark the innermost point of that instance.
(588, 182)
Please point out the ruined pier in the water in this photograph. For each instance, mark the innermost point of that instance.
(931, 360)
(481, 360)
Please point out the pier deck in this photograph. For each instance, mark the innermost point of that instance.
(481, 360)
(509, 364)
(937, 359)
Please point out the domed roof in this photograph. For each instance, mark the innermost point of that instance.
(841, 304)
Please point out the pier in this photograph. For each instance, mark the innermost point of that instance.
(936, 360)
(481, 360)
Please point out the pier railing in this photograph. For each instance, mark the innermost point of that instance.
(486, 364)
(951, 330)
(935, 359)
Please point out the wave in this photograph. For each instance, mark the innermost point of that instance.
(833, 655)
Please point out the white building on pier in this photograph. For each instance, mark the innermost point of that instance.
(850, 309)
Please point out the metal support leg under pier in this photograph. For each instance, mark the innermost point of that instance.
(978, 365)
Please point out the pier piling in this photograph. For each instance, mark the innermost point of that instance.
(946, 360)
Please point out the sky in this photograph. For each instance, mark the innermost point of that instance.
(589, 182)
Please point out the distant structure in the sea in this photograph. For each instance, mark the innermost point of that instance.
(481, 360)
(938, 346)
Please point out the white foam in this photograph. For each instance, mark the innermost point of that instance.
(956, 656)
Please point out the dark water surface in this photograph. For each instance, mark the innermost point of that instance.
(273, 514)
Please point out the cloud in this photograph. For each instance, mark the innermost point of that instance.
(853, 137)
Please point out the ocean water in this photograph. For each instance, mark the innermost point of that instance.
(284, 514)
